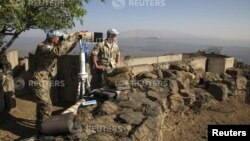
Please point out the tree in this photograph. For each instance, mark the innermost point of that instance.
(18, 16)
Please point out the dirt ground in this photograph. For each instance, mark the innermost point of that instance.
(19, 123)
(193, 127)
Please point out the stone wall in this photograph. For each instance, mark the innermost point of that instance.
(152, 60)
(68, 68)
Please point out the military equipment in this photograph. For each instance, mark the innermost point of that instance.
(83, 83)
(93, 37)
(60, 124)
(105, 94)
(211, 50)
(73, 109)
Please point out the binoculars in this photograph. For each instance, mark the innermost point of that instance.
(92, 37)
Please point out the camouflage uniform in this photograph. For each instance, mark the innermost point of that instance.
(6, 83)
(44, 63)
(107, 55)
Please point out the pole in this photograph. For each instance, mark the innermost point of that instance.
(83, 83)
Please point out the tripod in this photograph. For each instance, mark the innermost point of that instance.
(83, 82)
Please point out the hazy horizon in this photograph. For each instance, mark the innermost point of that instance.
(149, 42)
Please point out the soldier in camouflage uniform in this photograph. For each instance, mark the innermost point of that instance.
(105, 57)
(6, 83)
(47, 52)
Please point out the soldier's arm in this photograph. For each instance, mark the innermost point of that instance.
(94, 54)
(118, 58)
(6, 65)
(68, 45)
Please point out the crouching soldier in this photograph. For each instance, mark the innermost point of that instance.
(105, 57)
(47, 52)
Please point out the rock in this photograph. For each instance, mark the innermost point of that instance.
(188, 96)
(101, 124)
(123, 96)
(144, 83)
(202, 95)
(203, 99)
(149, 75)
(190, 76)
(176, 102)
(182, 79)
(152, 111)
(136, 100)
(101, 137)
(123, 85)
(147, 102)
(173, 85)
(211, 77)
(180, 66)
(130, 104)
(108, 108)
(218, 90)
(168, 73)
(84, 114)
(231, 85)
(151, 129)
(125, 139)
(234, 72)
(153, 95)
(183, 83)
(160, 74)
(159, 98)
(121, 70)
(141, 68)
(241, 83)
(132, 118)
(137, 95)
(106, 124)
(119, 80)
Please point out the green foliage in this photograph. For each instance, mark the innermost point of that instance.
(21, 15)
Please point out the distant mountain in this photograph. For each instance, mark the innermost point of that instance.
(153, 42)
(153, 33)
(179, 37)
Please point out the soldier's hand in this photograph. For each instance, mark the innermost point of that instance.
(82, 33)
(101, 67)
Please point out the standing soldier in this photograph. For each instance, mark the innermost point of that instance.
(47, 52)
(105, 57)
(7, 97)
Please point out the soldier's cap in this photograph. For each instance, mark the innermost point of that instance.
(113, 31)
(54, 33)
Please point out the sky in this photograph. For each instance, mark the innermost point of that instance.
(223, 19)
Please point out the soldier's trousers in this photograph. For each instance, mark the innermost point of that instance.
(97, 79)
(41, 88)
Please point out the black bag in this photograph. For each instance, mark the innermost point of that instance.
(60, 124)
(105, 94)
